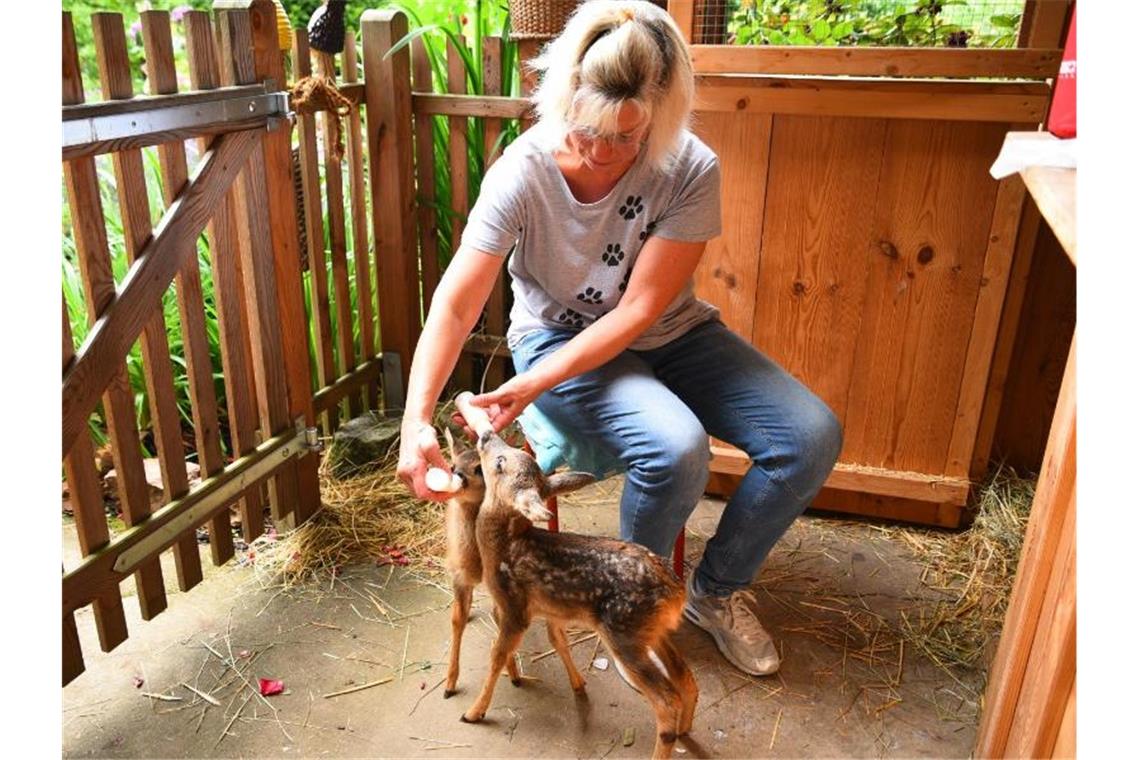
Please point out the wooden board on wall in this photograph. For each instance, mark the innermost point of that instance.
(933, 213)
(813, 270)
(727, 275)
(1044, 332)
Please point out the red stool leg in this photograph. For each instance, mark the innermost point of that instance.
(679, 554)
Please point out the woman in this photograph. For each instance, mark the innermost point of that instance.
(608, 202)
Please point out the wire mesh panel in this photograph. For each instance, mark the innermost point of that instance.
(908, 23)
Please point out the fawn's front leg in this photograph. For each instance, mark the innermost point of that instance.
(460, 611)
(510, 635)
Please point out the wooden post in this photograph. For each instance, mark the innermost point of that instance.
(388, 99)
(496, 321)
(682, 13)
(269, 261)
(425, 177)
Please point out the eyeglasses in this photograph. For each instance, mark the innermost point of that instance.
(589, 135)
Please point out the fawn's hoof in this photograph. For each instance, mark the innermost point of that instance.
(467, 719)
(449, 693)
(516, 682)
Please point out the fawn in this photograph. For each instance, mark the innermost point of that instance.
(465, 567)
(623, 591)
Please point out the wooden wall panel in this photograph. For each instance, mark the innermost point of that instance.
(813, 267)
(932, 218)
(727, 275)
(1044, 332)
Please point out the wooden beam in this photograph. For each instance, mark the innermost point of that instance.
(916, 99)
(682, 13)
(141, 291)
(955, 63)
(1055, 192)
(142, 103)
(482, 106)
(853, 477)
(331, 395)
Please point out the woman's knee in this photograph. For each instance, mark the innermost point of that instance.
(815, 444)
(676, 452)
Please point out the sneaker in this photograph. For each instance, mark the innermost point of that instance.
(733, 624)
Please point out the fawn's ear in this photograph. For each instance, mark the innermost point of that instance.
(565, 482)
(531, 505)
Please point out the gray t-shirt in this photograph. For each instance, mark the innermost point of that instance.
(572, 260)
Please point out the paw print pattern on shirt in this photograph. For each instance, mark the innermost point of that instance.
(631, 208)
(625, 280)
(570, 318)
(613, 255)
(641, 236)
(590, 296)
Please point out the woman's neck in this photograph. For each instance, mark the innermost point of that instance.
(587, 182)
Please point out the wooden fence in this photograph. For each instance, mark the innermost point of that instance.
(241, 193)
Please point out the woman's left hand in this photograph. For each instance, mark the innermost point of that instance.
(507, 402)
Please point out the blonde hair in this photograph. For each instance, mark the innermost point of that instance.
(612, 52)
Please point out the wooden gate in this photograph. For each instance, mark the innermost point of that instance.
(241, 194)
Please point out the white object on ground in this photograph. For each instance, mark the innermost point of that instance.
(601, 663)
(1022, 149)
(438, 480)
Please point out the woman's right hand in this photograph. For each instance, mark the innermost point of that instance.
(419, 450)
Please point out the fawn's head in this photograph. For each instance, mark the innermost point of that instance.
(465, 463)
(514, 481)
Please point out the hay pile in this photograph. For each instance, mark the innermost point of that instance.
(366, 518)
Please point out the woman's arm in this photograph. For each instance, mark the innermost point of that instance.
(663, 267)
(463, 290)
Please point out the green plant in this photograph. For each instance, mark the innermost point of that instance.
(949, 23)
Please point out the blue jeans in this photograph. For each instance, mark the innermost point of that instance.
(654, 410)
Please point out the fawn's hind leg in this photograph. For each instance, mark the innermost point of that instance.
(657, 688)
(510, 635)
(460, 611)
(558, 639)
(512, 663)
(683, 681)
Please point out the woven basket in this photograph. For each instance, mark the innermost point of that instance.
(539, 19)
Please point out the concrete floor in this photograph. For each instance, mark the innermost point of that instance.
(843, 690)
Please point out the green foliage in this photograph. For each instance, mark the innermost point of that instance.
(930, 23)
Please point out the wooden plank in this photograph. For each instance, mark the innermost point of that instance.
(334, 203)
(82, 185)
(1054, 191)
(361, 253)
(466, 374)
(1005, 342)
(72, 653)
(367, 373)
(961, 63)
(891, 99)
(460, 104)
(727, 274)
(1066, 744)
(425, 177)
(90, 516)
(1053, 498)
(496, 313)
(813, 265)
(262, 239)
(125, 312)
(276, 147)
(162, 79)
(881, 507)
(934, 202)
(682, 13)
(389, 114)
(225, 268)
(314, 230)
(134, 208)
(80, 111)
(987, 315)
(851, 477)
(151, 139)
(1051, 669)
